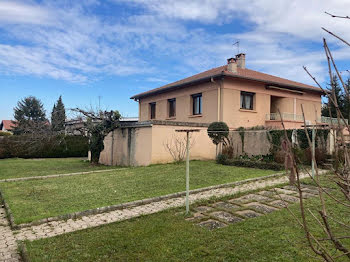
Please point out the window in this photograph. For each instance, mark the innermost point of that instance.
(172, 107)
(247, 100)
(152, 107)
(197, 104)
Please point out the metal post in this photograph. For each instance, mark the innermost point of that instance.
(313, 151)
(187, 173)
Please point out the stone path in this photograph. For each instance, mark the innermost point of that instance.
(55, 228)
(8, 245)
(222, 213)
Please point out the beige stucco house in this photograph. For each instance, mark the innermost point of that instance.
(231, 93)
(235, 95)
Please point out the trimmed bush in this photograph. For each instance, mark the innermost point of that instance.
(248, 163)
(3, 133)
(35, 147)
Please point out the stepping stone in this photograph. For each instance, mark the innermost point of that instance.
(310, 191)
(308, 195)
(227, 217)
(204, 209)
(285, 191)
(250, 198)
(288, 198)
(291, 188)
(267, 193)
(279, 203)
(261, 207)
(212, 224)
(196, 216)
(225, 205)
(248, 213)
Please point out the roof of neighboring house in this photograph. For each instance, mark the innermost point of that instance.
(8, 124)
(222, 71)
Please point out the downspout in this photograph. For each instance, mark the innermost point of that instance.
(219, 98)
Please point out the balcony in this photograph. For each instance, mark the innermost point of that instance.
(331, 120)
(290, 120)
(285, 117)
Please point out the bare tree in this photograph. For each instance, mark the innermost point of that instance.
(176, 146)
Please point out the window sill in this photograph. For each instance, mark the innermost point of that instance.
(247, 110)
(171, 118)
(192, 116)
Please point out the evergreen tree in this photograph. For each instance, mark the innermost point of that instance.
(30, 115)
(339, 94)
(58, 116)
(346, 101)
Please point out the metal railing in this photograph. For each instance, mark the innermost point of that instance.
(330, 120)
(285, 116)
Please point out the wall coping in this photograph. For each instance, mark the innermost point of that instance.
(151, 123)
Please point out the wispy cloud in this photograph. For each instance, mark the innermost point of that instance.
(67, 40)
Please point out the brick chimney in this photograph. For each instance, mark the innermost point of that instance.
(232, 65)
(240, 58)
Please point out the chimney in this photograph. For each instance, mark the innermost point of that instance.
(240, 58)
(232, 65)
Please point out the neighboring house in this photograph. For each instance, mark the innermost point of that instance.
(7, 125)
(233, 94)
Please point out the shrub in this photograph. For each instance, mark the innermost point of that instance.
(253, 164)
(320, 155)
(57, 146)
(221, 159)
(218, 131)
(4, 133)
(228, 151)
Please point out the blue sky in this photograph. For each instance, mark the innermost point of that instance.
(113, 49)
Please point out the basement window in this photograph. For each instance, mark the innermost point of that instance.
(152, 108)
(247, 100)
(197, 104)
(172, 107)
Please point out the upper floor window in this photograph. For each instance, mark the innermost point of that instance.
(197, 104)
(152, 108)
(247, 100)
(172, 107)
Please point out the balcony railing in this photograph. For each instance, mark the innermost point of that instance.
(285, 117)
(330, 120)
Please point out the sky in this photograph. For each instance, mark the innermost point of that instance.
(101, 52)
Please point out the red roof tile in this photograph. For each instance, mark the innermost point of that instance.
(241, 73)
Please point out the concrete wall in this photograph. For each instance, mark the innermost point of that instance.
(141, 146)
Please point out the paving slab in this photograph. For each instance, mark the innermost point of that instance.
(248, 213)
(261, 208)
(268, 193)
(196, 216)
(204, 208)
(225, 205)
(225, 216)
(8, 244)
(279, 203)
(212, 224)
(249, 198)
(285, 191)
(288, 198)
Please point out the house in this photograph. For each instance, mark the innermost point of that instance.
(7, 125)
(231, 93)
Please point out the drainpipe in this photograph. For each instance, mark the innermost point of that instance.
(219, 97)
(295, 109)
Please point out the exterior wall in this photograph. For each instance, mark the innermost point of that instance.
(183, 104)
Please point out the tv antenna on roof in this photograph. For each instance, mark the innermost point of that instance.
(237, 44)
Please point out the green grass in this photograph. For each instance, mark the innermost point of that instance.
(36, 199)
(17, 167)
(166, 236)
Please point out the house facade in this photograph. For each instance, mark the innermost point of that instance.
(234, 94)
(231, 93)
(7, 125)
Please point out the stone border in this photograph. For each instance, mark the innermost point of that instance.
(136, 203)
(58, 175)
(9, 215)
(23, 251)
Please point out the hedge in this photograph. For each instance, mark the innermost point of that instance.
(222, 159)
(35, 147)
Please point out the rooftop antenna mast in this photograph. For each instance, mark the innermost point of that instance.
(237, 44)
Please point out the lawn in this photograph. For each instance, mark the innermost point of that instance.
(36, 199)
(17, 167)
(166, 236)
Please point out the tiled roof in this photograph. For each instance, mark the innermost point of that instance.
(241, 73)
(8, 124)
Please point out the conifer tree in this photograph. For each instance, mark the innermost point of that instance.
(58, 116)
